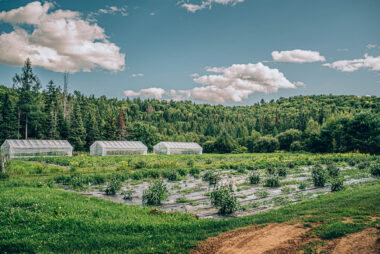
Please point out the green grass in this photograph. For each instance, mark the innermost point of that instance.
(50, 220)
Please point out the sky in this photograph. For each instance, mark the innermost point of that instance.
(230, 52)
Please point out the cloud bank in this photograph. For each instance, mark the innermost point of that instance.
(59, 41)
(297, 56)
(207, 4)
(228, 84)
(373, 63)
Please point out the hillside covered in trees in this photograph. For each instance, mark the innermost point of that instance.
(317, 123)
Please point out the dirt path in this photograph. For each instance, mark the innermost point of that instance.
(284, 238)
(274, 238)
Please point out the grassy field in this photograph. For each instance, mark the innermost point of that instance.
(36, 215)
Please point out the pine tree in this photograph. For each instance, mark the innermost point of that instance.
(91, 129)
(77, 131)
(121, 125)
(110, 128)
(8, 119)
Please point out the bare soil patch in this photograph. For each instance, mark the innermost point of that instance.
(366, 241)
(273, 238)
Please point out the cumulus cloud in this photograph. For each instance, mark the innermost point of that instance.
(297, 56)
(59, 41)
(134, 75)
(112, 10)
(229, 84)
(373, 63)
(207, 4)
(153, 92)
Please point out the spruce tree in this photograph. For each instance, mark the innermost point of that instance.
(110, 128)
(8, 119)
(121, 134)
(91, 129)
(77, 131)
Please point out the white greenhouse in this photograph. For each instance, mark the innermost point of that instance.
(110, 148)
(177, 148)
(19, 148)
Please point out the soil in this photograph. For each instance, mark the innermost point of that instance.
(284, 238)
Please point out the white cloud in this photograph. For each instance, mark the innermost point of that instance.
(373, 63)
(134, 75)
(297, 56)
(230, 84)
(112, 10)
(153, 92)
(59, 41)
(152, 14)
(194, 75)
(207, 4)
(371, 46)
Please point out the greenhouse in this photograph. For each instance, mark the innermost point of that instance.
(110, 148)
(15, 148)
(177, 148)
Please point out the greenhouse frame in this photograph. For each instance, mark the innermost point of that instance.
(23, 148)
(177, 148)
(112, 148)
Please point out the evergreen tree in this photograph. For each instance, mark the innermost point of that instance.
(8, 119)
(77, 131)
(91, 129)
(121, 134)
(110, 128)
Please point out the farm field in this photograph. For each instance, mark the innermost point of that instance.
(66, 195)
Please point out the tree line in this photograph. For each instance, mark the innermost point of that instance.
(316, 123)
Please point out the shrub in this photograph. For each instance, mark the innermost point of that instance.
(333, 170)
(212, 177)
(190, 163)
(266, 145)
(319, 176)
(140, 164)
(171, 175)
(155, 194)
(4, 175)
(272, 181)
(113, 186)
(302, 186)
(337, 184)
(254, 178)
(271, 170)
(195, 172)
(183, 171)
(296, 146)
(282, 171)
(223, 197)
(288, 137)
(375, 169)
(128, 193)
(363, 165)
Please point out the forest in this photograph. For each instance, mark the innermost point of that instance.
(316, 123)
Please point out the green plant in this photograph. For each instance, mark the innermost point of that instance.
(337, 184)
(254, 178)
(302, 185)
(223, 197)
(272, 181)
(195, 172)
(113, 186)
(156, 193)
(333, 170)
(190, 163)
(128, 193)
(140, 164)
(261, 193)
(212, 177)
(375, 169)
(171, 175)
(282, 171)
(338, 229)
(319, 176)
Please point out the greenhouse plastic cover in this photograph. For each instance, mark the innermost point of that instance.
(30, 143)
(121, 144)
(180, 145)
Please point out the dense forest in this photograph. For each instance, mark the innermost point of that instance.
(317, 123)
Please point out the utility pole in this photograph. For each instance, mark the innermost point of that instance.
(65, 85)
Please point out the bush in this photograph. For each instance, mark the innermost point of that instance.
(254, 178)
(113, 186)
(296, 146)
(155, 194)
(223, 197)
(212, 177)
(190, 163)
(171, 175)
(333, 170)
(363, 165)
(266, 145)
(319, 176)
(288, 137)
(375, 169)
(195, 172)
(302, 186)
(272, 181)
(337, 184)
(282, 171)
(128, 193)
(4, 176)
(271, 170)
(140, 164)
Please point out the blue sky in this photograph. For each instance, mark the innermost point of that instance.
(161, 44)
